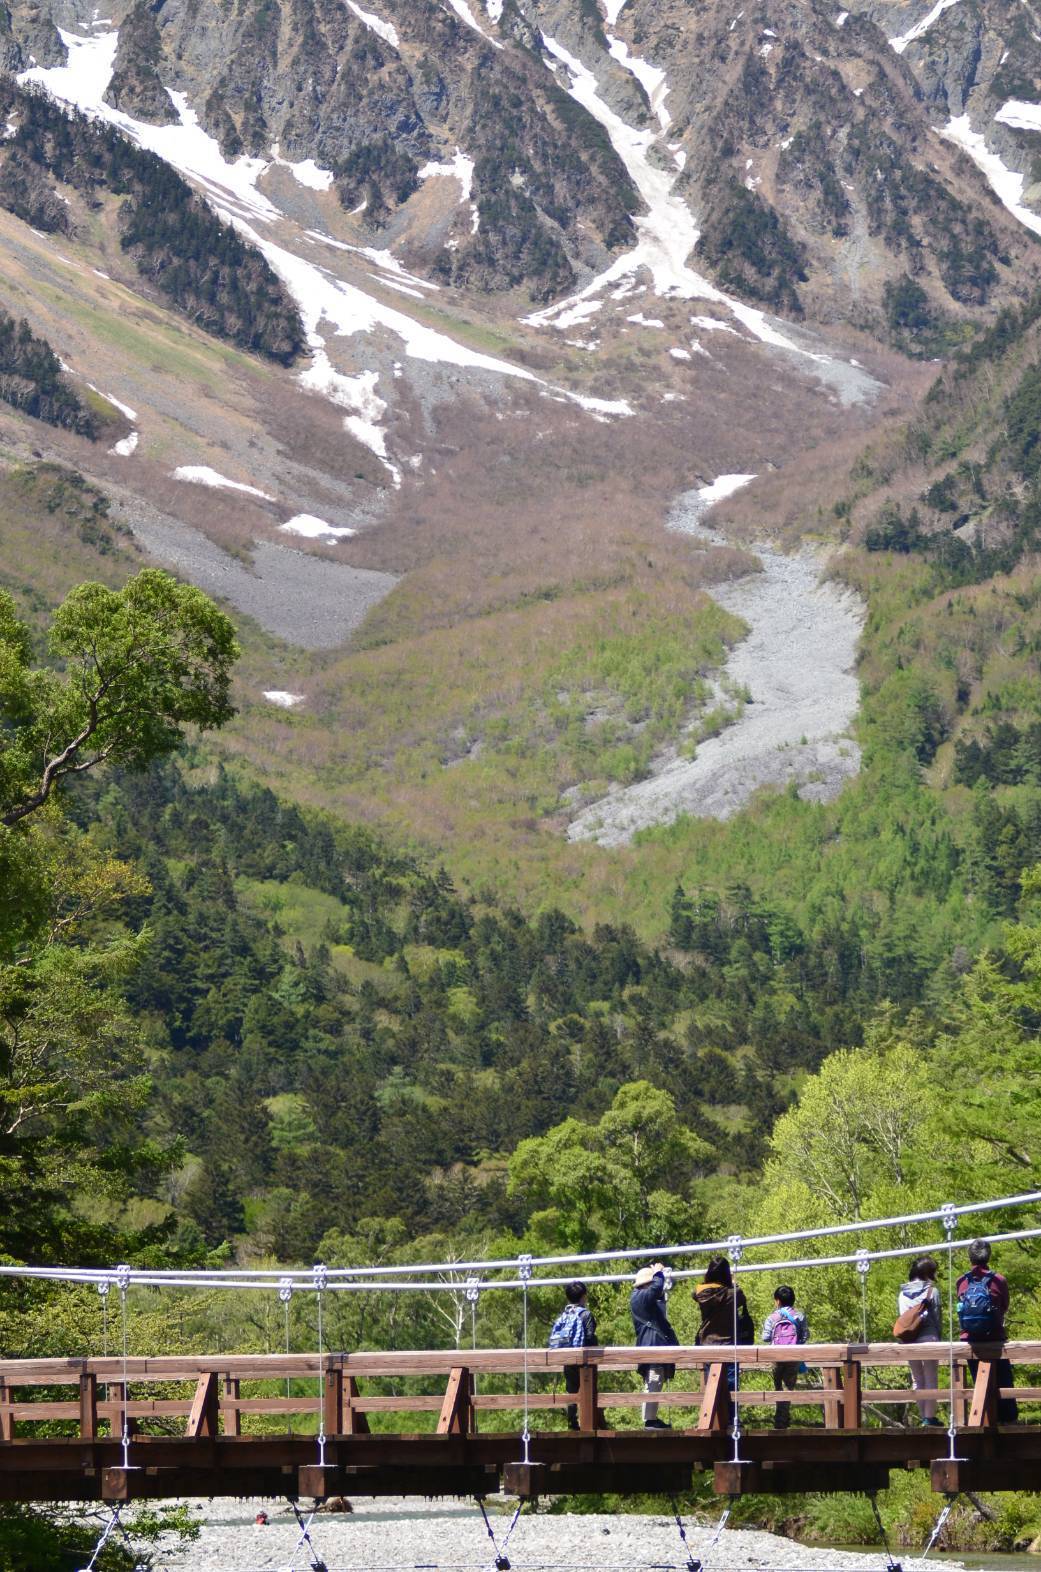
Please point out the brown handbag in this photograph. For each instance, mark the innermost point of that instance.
(908, 1322)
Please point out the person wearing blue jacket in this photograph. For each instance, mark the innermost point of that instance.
(653, 1330)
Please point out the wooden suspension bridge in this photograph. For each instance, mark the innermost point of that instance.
(150, 1428)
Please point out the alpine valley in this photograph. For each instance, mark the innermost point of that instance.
(611, 433)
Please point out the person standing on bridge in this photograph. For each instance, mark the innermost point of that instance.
(653, 1329)
(725, 1316)
(921, 1294)
(983, 1300)
(785, 1325)
(573, 1328)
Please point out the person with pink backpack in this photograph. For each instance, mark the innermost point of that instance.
(784, 1327)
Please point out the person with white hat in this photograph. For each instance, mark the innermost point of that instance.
(653, 1330)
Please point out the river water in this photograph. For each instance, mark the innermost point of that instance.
(797, 663)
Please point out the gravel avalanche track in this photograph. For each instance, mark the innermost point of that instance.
(797, 662)
(307, 601)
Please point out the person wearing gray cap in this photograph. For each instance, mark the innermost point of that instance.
(653, 1330)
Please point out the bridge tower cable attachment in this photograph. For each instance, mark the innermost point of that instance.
(473, 1298)
(285, 1294)
(320, 1277)
(735, 1250)
(524, 1273)
(123, 1277)
(863, 1268)
(950, 1223)
(104, 1288)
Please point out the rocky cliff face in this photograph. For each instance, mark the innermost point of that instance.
(805, 141)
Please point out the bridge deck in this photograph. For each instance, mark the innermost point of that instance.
(224, 1425)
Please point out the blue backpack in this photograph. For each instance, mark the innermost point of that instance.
(978, 1315)
(568, 1330)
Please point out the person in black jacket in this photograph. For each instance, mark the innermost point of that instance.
(653, 1330)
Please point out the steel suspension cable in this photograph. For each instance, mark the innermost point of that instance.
(339, 1276)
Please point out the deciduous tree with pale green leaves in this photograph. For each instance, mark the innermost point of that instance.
(622, 1181)
(133, 668)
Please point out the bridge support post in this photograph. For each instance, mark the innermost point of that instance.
(588, 1412)
(983, 1414)
(714, 1413)
(232, 1416)
(355, 1420)
(88, 1407)
(6, 1422)
(457, 1414)
(332, 1403)
(203, 1418)
(850, 1405)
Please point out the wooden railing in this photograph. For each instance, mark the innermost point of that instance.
(225, 1389)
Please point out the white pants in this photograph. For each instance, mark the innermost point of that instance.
(925, 1374)
(652, 1383)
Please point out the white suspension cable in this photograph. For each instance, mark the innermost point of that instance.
(269, 1275)
(303, 1279)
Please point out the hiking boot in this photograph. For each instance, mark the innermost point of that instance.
(934, 1424)
(656, 1424)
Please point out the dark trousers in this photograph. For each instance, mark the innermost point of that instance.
(785, 1376)
(571, 1380)
(1008, 1408)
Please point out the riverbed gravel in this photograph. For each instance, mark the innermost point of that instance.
(399, 1536)
(797, 663)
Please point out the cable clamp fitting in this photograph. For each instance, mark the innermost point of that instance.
(320, 1274)
(104, 1287)
(524, 1268)
(863, 1263)
(735, 1248)
(473, 1290)
(123, 1277)
(285, 1289)
(949, 1215)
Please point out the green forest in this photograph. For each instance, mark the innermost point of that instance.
(174, 238)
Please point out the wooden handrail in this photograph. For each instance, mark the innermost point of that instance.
(213, 1402)
(488, 1361)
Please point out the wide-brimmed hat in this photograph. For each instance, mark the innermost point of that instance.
(645, 1275)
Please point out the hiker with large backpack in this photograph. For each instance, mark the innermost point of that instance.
(918, 1321)
(784, 1327)
(982, 1306)
(573, 1328)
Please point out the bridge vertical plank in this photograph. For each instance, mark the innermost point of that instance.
(6, 1422)
(961, 1395)
(983, 1414)
(355, 1421)
(232, 1417)
(850, 1405)
(456, 1417)
(332, 1403)
(715, 1400)
(88, 1407)
(832, 1396)
(202, 1419)
(587, 1397)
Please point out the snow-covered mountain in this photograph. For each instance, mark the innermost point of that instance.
(728, 223)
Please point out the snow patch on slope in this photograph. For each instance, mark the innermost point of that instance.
(463, 12)
(667, 232)
(313, 528)
(650, 78)
(306, 173)
(1020, 116)
(203, 475)
(1004, 182)
(284, 700)
(385, 30)
(901, 43)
